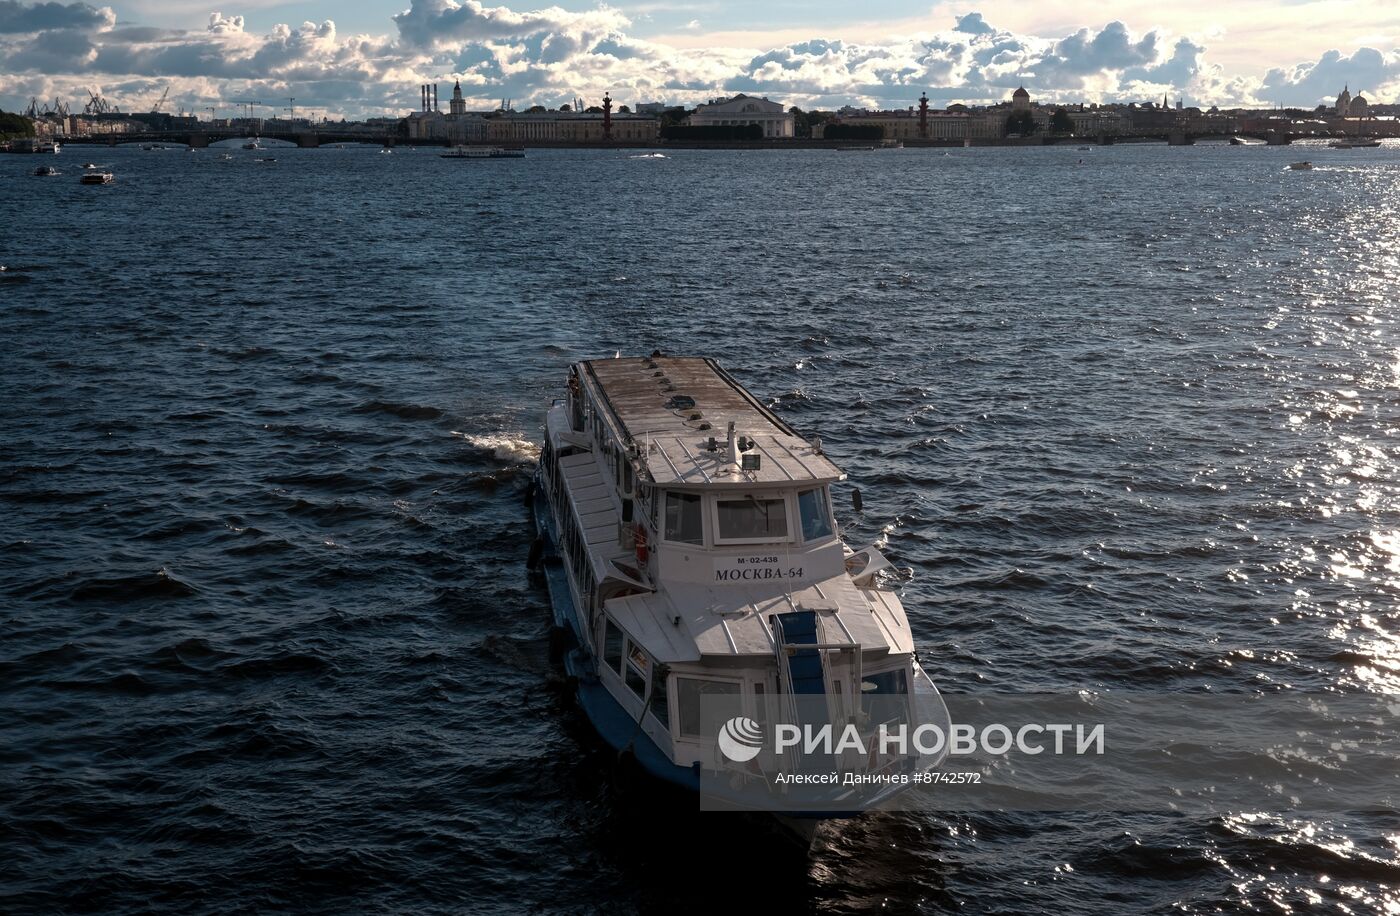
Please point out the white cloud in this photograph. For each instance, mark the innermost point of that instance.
(1366, 69)
(18, 17)
(551, 54)
(221, 24)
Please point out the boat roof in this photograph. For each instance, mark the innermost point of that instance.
(669, 407)
(693, 622)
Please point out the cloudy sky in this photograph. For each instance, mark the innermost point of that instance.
(367, 57)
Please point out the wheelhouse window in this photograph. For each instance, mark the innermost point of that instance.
(752, 519)
(816, 520)
(683, 519)
(703, 705)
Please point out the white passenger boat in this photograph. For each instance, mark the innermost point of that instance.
(29, 145)
(694, 565)
(485, 152)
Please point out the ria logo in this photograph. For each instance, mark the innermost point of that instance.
(741, 739)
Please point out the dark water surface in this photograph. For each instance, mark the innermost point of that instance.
(269, 642)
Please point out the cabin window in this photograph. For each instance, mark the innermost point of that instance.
(638, 666)
(816, 520)
(612, 646)
(884, 696)
(760, 703)
(683, 518)
(704, 705)
(752, 519)
(658, 704)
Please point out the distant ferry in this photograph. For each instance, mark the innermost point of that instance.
(30, 145)
(485, 152)
(1358, 143)
(687, 538)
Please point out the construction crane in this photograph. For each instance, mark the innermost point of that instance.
(38, 110)
(155, 109)
(97, 105)
(248, 105)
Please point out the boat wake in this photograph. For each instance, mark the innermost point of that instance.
(649, 156)
(503, 446)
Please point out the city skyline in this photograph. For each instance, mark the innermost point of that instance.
(532, 53)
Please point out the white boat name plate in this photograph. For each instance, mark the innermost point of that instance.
(755, 568)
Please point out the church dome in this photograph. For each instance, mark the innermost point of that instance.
(1021, 93)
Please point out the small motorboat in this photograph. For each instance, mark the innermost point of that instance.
(89, 165)
(225, 156)
(385, 151)
(1085, 149)
(46, 171)
(1303, 166)
(96, 177)
(267, 159)
(252, 144)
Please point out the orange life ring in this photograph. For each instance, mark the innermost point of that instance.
(639, 535)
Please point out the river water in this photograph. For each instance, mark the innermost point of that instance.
(1127, 419)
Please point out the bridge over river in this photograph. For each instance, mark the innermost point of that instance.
(202, 137)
